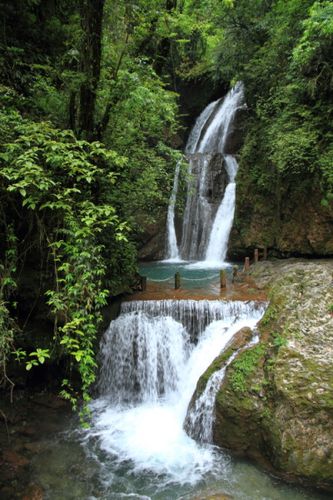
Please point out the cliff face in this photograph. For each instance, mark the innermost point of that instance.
(283, 212)
(291, 221)
(275, 404)
(152, 244)
(283, 199)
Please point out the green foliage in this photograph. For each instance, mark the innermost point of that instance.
(278, 340)
(8, 327)
(192, 36)
(7, 335)
(77, 198)
(244, 365)
(283, 53)
(314, 45)
(270, 315)
(37, 357)
(143, 121)
(64, 187)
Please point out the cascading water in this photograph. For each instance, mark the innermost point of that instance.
(210, 202)
(149, 370)
(194, 315)
(200, 416)
(138, 364)
(219, 236)
(172, 247)
(136, 447)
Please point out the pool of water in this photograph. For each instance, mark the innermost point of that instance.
(65, 462)
(192, 274)
(70, 467)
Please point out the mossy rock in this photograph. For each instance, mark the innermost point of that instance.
(275, 404)
(241, 338)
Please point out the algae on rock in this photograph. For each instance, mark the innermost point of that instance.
(275, 403)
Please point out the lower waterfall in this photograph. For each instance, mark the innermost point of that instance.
(149, 371)
(200, 417)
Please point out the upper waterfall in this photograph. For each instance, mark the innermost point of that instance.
(211, 190)
(172, 247)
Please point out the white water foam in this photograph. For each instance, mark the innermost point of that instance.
(147, 431)
(172, 247)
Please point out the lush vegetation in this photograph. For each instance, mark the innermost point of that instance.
(72, 206)
(286, 63)
(93, 98)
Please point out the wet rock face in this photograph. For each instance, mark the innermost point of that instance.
(152, 244)
(276, 405)
(235, 138)
(217, 181)
(216, 178)
(292, 222)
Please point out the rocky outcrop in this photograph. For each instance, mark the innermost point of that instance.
(235, 137)
(291, 222)
(276, 401)
(217, 177)
(152, 242)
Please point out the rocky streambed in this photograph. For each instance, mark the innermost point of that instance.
(275, 404)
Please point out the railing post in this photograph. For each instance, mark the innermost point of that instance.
(256, 255)
(234, 273)
(177, 281)
(265, 253)
(223, 279)
(143, 280)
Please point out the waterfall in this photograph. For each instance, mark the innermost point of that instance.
(199, 420)
(211, 189)
(219, 236)
(200, 416)
(172, 247)
(149, 371)
(142, 357)
(195, 315)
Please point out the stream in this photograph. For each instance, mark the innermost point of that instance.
(151, 358)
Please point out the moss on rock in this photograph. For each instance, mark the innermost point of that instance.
(275, 403)
(240, 339)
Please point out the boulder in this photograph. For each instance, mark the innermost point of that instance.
(275, 404)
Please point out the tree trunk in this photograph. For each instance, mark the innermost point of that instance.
(91, 20)
(72, 110)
